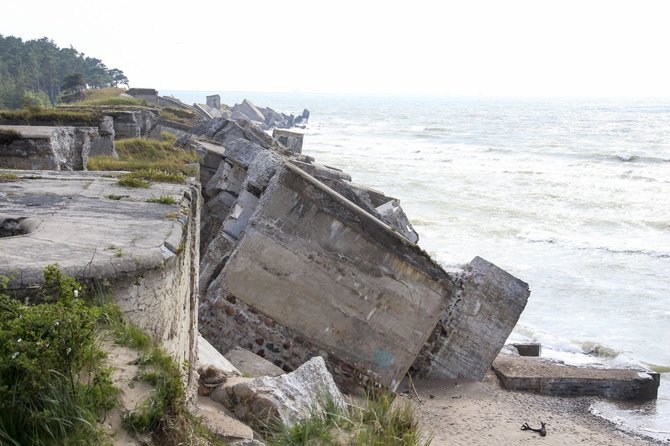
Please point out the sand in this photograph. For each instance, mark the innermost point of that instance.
(482, 413)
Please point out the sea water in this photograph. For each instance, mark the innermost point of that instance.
(570, 195)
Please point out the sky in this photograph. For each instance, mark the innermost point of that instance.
(465, 48)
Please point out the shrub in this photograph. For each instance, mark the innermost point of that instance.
(52, 385)
(163, 199)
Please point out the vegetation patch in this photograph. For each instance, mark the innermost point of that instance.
(54, 386)
(376, 421)
(118, 252)
(178, 115)
(148, 155)
(163, 199)
(8, 136)
(116, 197)
(6, 177)
(109, 96)
(60, 116)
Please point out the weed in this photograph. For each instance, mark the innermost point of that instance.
(129, 180)
(51, 115)
(53, 386)
(171, 215)
(377, 421)
(163, 199)
(116, 197)
(182, 116)
(118, 252)
(8, 177)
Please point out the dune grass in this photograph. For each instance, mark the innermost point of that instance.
(375, 421)
(148, 161)
(108, 96)
(61, 116)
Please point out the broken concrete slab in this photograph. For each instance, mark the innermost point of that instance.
(251, 365)
(45, 148)
(290, 140)
(286, 398)
(247, 110)
(208, 356)
(474, 329)
(145, 253)
(546, 377)
(221, 423)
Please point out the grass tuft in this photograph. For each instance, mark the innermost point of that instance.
(56, 115)
(6, 177)
(163, 199)
(377, 421)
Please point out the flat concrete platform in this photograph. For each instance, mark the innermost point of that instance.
(31, 131)
(88, 224)
(538, 375)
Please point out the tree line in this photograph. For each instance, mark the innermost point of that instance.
(38, 71)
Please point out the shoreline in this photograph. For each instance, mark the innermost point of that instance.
(459, 412)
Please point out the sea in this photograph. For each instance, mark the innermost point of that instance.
(569, 195)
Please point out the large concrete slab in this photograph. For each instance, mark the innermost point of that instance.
(532, 374)
(342, 278)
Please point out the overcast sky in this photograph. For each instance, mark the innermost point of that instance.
(481, 47)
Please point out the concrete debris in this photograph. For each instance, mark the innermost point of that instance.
(532, 374)
(290, 140)
(528, 349)
(286, 398)
(252, 365)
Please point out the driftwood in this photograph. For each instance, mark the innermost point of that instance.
(542, 431)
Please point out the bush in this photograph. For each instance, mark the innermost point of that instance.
(52, 385)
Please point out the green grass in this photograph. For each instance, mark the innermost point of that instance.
(148, 160)
(178, 115)
(163, 199)
(58, 115)
(54, 385)
(376, 421)
(6, 177)
(108, 96)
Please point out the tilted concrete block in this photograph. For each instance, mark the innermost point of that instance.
(474, 329)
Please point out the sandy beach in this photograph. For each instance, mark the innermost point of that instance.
(457, 412)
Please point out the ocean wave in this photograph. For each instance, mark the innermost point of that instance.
(595, 349)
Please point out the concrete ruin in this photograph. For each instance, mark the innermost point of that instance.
(49, 148)
(214, 101)
(149, 95)
(300, 262)
(146, 254)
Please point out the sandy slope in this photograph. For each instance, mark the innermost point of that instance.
(481, 413)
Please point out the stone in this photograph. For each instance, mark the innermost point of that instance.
(252, 365)
(214, 101)
(537, 375)
(221, 423)
(473, 330)
(286, 398)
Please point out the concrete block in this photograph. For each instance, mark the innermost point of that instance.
(545, 377)
(529, 349)
(473, 330)
(290, 140)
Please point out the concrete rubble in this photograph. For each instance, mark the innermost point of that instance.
(298, 261)
(285, 398)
